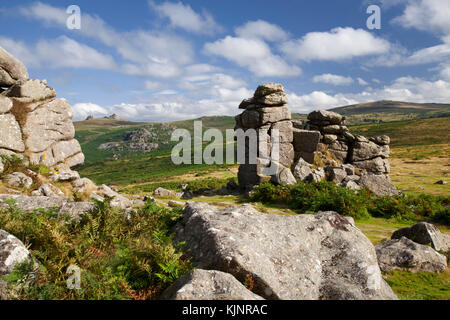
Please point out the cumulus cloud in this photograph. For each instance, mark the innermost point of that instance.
(59, 53)
(261, 29)
(445, 72)
(184, 17)
(317, 100)
(409, 89)
(82, 110)
(210, 94)
(333, 79)
(338, 44)
(362, 82)
(147, 53)
(426, 15)
(220, 101)
(253, 54)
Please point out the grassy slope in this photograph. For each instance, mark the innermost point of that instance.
(420, 153)
(392, 111)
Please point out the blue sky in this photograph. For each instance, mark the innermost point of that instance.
(172, 60)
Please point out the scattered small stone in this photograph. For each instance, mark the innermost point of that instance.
(161, 192)
(174, 204)
(404, 254)
(19, 179)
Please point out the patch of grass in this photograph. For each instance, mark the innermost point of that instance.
(313, 197)
(420, 286)
(417, 169)
(421, 132)
(193, 185)
(119, 257)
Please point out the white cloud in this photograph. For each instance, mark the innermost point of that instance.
(44, 12)
(167, 92)
(82, 110)
(408, 89)
(59, 53)
(316, 100)
(430, 54)
(152, 85)
(362, 82)
(445, 72)
(147, 53)
(338, 44)
(426, 15)
(253, 54)
(184, 17)
(333, 79)
(65, 52)
(261, 29)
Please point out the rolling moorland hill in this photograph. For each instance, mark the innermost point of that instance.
(421, 145)
(92, 133)
(392, 111)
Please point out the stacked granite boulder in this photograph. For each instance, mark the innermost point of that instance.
(33, 122)
(267, 110)
(320, 149)
(353, 161)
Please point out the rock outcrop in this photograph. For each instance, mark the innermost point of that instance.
(266, 111)
(208, 285)
(321, 256)
(33, 122)
(352, 161)
(426, 234)
(404, 254)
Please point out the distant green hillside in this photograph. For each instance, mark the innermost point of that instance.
(410, 132)
(385, 111)
(92, 133)
(157, 164)
(217, 122)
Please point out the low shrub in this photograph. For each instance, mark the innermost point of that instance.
(313, 197)
(321, 196)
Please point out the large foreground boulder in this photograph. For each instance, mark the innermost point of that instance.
(321, 256)
(208, 285)
(404, 254)
(425, 233)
